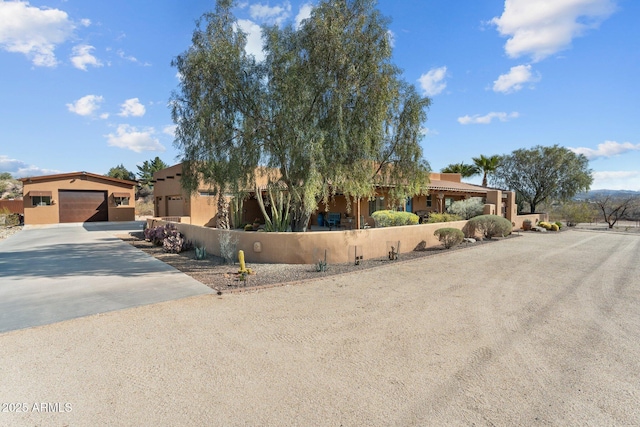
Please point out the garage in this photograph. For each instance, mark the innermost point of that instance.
(77, 197)
(83, 206)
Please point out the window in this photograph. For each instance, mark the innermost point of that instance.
(122, 201)
(207, 193)
(376, 204)
(448, 201)
(429, 201)
(40, 200)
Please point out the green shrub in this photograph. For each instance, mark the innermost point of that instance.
(488, 226)
(449, 236)
(559, 224)
(389, 218)
(442, 217)
(577, 212)
(468, 208)
(554, 227)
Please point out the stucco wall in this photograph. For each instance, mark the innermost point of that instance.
(305, 248)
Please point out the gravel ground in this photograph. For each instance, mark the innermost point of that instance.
(222, 277)
(540, 330)
(8, 231)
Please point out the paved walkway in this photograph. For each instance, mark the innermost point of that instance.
(538, 330)
(54, 273)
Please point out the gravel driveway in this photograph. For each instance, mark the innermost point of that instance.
(538, 330)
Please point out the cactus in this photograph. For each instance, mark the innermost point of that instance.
(201, 253)
(243, 268)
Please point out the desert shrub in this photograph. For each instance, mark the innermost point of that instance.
(554, 227)
(9, 219)
(449, 236)
(468, 208)
(576, 212)
(144, 208)
(442, 217)
(389, 218)
(546, 225)
(168, 237)
(559, 224)
(488, 226)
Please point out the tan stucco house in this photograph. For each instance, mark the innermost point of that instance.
(77, 197)
(200, 208)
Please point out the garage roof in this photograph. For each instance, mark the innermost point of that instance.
(77, 175)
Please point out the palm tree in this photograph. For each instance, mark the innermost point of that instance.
(465, 170)
(486, 165)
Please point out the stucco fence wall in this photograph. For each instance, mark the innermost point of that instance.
(309, 247)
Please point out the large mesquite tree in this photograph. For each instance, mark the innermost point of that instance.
(542, 173)
(326, 109)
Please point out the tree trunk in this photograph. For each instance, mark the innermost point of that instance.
(222, 216)
(300, 221)
(300, 216)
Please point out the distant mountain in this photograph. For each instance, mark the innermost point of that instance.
(593, 194)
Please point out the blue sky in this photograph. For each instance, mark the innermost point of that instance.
(85, 84)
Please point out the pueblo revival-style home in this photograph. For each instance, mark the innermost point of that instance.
(77, 197)
(200, 208)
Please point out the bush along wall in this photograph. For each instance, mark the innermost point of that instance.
(389, 218)
(488, 226)
(449, 237)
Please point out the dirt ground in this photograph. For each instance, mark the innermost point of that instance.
(538, 330)
(218, 275)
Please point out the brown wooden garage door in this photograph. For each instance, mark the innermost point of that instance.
(83, 206)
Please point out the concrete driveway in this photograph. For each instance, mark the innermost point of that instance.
(60, 272)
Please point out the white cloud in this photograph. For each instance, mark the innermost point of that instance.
(304, 13)
(254, 38)
(82, 57)
(272, 15)
(616, 180)
(131, 58)
(20, 169)
(33, 32)
(432, 82)
(132, 107)
(86, 106)
(487, 118)
(606, 149)
(514, 79)
(169, 130)
(540, 28)
(132, 139)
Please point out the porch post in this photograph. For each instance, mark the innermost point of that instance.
(358, 213)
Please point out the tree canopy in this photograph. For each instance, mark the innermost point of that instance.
(464, 169)
(120, 172)
(145, 172)
(543, 173)
(326, 109)
(486, 166)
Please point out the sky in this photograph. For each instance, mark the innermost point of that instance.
(85, 85)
